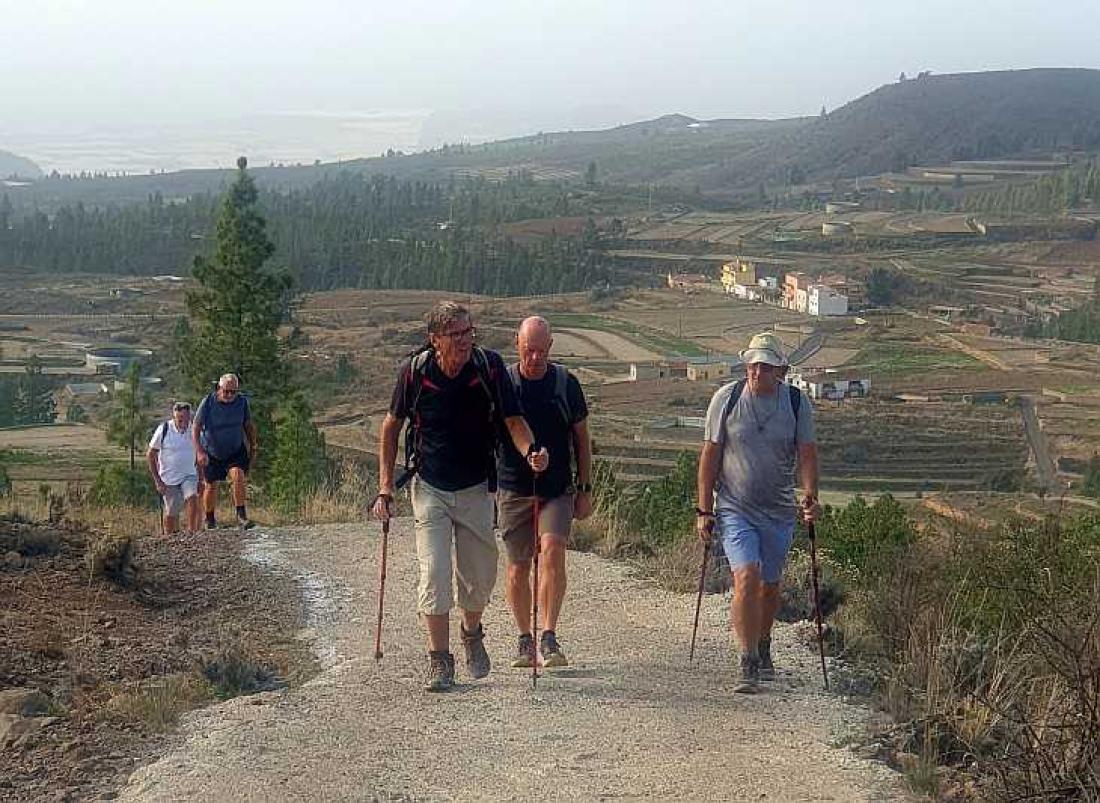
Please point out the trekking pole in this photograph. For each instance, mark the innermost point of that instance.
(535, 593)
(699, 599)
(381, 588)
(817, 600)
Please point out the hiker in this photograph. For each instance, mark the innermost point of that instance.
(225, 446)
(457, 397)
(756, 430)
(171, 458)
(554, 407)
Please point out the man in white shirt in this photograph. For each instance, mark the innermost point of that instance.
(171, 458)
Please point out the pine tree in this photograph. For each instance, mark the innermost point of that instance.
(128, 420)
(298, 466)
(238, 307)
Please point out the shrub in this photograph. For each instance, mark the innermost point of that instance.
(117, 485)
(859, 535)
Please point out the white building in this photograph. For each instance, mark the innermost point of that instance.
(822, 300)
(832, 385)
(801, 299)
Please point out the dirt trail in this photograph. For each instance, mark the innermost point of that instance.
(629, 720)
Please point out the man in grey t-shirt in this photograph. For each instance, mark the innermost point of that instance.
(746, 488)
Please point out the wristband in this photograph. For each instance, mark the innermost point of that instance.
(707, 513)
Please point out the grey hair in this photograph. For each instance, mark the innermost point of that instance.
(225, 379)
(444, 314)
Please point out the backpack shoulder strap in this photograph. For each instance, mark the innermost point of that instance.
(513, 374)
(731, 402)
(163, 431)
(796, 401)
(485, 378)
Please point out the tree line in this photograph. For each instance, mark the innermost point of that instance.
(348, 231)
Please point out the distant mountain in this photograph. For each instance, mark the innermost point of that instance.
(927, 120)
(18, 167)
(938, 118)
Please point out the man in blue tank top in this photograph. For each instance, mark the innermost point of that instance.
(225, 446)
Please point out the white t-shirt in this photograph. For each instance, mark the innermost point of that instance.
(176, 455)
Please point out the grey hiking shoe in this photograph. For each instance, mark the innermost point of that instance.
(767, 668)
(245, 523)
(749, 682)
(525, 652)
(477, 659)
(441, 671)
(552, 654)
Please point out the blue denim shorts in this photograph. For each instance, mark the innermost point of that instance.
(745, 542)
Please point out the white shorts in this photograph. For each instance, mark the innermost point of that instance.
(176, 495)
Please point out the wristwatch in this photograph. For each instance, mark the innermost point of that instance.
(584, 487)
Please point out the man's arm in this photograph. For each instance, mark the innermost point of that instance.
(196, 437)
(252, 436)
(710, 460)
(582, 447)
(524, 439)
(151, 457)
(387, 452)
(807, 470)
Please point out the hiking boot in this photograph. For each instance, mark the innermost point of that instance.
(211, 524)
(245, 523)
(767, 668)
(441, 671)
(552, 654)
(477, 660)
(525, 652)
(749, 683)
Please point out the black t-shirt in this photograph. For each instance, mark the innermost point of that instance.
(547, 421)
(455, 434)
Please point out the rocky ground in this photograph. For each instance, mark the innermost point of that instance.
(629, 719)
(94, 671)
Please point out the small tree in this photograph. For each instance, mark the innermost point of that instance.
(298, 466)
(128, 421)
(238, 306)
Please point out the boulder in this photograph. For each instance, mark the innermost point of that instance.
(24, 702)
(13, 560)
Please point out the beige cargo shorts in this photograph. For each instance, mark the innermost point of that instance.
(455, 548)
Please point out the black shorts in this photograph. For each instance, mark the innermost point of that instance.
(217, 470)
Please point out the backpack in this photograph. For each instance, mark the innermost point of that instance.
(561, 394)
(418, 369)
(738, 389)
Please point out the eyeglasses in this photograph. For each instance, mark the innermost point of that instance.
(469, 331)
(229, 391)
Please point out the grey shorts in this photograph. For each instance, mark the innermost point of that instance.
(516, 518)
(176, 495)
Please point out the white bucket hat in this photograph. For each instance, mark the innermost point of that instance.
(766, 348)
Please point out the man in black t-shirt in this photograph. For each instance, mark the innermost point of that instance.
(458, 398)
(555, 408)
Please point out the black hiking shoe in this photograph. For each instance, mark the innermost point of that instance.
(525, 652)
(211, 524)
(767, 668)
(749, 682)
(552, 654)
(477, 659)
(441, 671)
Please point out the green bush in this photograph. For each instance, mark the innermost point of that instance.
(117, 485)
(858, 536)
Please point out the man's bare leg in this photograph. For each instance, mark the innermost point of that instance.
(552, 580)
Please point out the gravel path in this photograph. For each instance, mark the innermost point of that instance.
(629, 720)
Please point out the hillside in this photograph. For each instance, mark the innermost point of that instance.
(935, 119)
(927, 120)
(17, 166)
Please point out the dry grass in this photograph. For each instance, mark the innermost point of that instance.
(159, 702)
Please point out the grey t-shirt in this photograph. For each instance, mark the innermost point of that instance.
(757, 474)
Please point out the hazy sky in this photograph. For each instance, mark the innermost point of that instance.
(73, 64)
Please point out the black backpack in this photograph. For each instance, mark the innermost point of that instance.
(738, 389)
(561, 394)
(419, 361)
